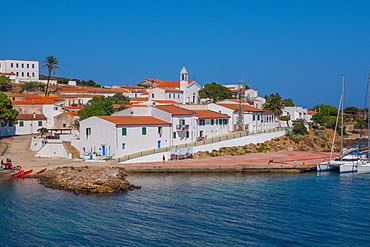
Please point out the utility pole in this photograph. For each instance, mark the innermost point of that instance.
(240, 119)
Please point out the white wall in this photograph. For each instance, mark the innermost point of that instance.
(50, 111)
(260, 138)
(29, 126)
(28, 70)
(52, 149)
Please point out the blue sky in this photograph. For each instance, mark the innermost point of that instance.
(296, 48)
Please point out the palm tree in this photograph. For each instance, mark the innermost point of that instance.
(50, 65)
(274, 103)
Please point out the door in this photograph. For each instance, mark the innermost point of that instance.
(103, 151)
(159, 144)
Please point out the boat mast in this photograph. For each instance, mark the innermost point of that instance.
(342, 125)
(368, 115)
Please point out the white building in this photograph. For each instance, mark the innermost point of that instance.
(254, 119)
(295, 113)
(116, 136)
(24, 70)
(30, 123)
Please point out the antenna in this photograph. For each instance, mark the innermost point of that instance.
(240, 119)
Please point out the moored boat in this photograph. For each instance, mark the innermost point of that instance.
(41, 171)
(16, 173)
(24, 173)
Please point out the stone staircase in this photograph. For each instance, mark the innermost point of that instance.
(71, 149)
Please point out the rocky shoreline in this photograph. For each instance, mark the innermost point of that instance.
(87, 180)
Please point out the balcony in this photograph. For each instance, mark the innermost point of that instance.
(182, 127)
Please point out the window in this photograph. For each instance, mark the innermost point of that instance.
(124, 131)
(28, 66)
(88, 131)
(22, 74)
(39, 123)
(216, 121)
(174, 135)
(187, 134)
(202, 122)
(254, 117)
(28, 74)
(16, 65)
(33, 74)
(11, 65)
(152, 95)
(17, 73)
(258, 117)
(123, 145)
(55, 108)
(159, 130)
(178, 96)
(22, 65)
(201, 133)
(10, 124)
(224, 121)
(33, 66)
(181, 121)
(169, 95)
(64, 125)
(212, 121)
(143, 130)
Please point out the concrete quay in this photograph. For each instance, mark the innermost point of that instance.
(282, 161)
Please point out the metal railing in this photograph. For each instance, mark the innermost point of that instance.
(198, 143)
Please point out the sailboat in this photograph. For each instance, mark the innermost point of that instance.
(365, 167)
(345, 162)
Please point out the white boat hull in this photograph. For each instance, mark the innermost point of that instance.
(363, 168)
(344, 168)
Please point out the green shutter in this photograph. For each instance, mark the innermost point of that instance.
(212, 121)
(124, 131)
(143, 131)
(40, 123)
(21, 124)
(174, 135)
(187, 134)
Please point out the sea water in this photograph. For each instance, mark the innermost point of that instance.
(236, 209)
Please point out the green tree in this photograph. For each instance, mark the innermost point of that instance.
(299, 128)
(143, 85)
(7, 113)
(32, 85)
(97, 106)
(215, 92)
(43, 131)
(51, 64)
(326, 110)
(5, 84)
(288, 102)
(119, 98)
(274, 103)
(351, 110)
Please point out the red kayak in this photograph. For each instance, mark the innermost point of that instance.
(16, 173)
(41, 171)
(24, 173)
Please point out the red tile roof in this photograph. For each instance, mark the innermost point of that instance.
(67, 89)
(36, 97)
(167, 83)
(74, 107)
(311, 112)
(7, 73)
(33, 102)
(79, 95)
(105, 90)
(175, 110)
(72, 113)
(139, 99)
(134, 120)
(24, 116)
(207, 114)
